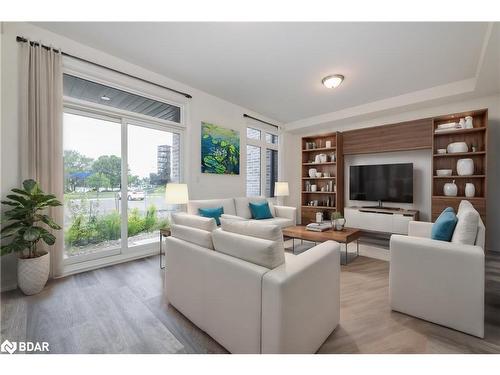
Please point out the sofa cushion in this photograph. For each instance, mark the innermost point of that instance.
(194, 221)
(444, 225)
(467, 225)
(212, 212)
(233, 217)
(263, 252)
(253, 228)
(196, 236)
(260, 210)
(227, 204)
(243, 209)
(279, 221)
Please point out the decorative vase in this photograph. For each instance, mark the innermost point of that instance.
(317, 159)
(33, 273)
(322, 158)
(450, 189)
(457, 147)
(469, 122)
(314, 188)
(470, 190)
(328, 144)
(312, 172)
(338, 224)
(461, 123)
(465, 167)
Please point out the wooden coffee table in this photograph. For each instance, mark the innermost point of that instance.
(345, 236)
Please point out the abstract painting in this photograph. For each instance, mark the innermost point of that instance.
(220, 150)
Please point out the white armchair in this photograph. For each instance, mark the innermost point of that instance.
(438, 281)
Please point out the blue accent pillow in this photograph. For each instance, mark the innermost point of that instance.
(260, 211)
(212, 212)
(444, 226)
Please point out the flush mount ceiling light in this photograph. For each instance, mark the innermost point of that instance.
(106, 98)
(332, 81)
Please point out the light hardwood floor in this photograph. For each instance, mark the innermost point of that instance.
(122, 309)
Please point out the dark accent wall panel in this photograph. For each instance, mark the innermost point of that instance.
(411, 135)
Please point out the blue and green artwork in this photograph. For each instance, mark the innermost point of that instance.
(220, 150)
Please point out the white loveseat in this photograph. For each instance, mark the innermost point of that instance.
(439, 281)
(245, 292)
(283, 216)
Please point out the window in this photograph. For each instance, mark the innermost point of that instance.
(262, 162)
(116, 167)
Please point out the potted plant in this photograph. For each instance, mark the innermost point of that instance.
(25, 221)
(338, 221)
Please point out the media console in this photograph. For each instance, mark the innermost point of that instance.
(380, 219)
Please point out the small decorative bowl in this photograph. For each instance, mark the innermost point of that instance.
(441, 151)
(443, 172)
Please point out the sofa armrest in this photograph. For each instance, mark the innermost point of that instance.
(301, 301)
(419, 229)
(286, 212)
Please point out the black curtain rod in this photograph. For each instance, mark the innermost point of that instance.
(256, 119)
(24, 40)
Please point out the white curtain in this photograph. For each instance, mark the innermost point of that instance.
(41, 113)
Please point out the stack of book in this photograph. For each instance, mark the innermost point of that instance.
(319, 227)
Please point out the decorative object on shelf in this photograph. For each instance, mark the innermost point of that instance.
(312, 172)
(220, 150)
(461, 123)
(469, 124)
(319, 217)
(314, 188)
(333, 157)
(308, 186)
(447, 126)
(441, 151)
(323, 158)
(326, 174)
(318, 174)
(310, 145)
(456, 147)
(470, 190)
(338, 221)
(474, 148)
(328, 144)
(443, 172)
(465, 167)
(450, 189)
(322, 188)
(26, 227)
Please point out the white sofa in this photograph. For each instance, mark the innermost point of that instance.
(283, 216)
(245, 292)
(439, 281)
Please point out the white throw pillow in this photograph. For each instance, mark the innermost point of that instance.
(195, 221)
(253, 228)
(467, 225)
(196, 236)
(266, 253)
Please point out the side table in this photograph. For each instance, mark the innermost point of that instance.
(165, 232)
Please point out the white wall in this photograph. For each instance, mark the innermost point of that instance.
(293, 157)
(202, 107)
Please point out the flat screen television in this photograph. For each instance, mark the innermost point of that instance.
(382, 183)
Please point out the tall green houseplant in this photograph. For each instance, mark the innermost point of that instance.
(24, 219)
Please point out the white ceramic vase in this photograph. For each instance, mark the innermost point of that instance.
(469, 122)
(470, 190)
(312, 172)
(457, 147)
(450, 189)
(33, 273)
(465, 167)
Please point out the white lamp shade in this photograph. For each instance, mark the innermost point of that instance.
(281, 189)
(176, 193)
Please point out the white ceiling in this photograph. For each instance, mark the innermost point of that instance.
(276, 68)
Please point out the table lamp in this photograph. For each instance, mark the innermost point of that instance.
(176, 194)
(280, 191)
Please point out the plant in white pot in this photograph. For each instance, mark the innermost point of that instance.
(24, 228)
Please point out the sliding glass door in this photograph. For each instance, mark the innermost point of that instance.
(115, 172)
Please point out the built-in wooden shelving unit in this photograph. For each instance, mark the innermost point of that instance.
(476, 137)
(329, 196)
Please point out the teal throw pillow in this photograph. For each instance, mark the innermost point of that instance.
(212, 212)
(260, 210)
(444, 226)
